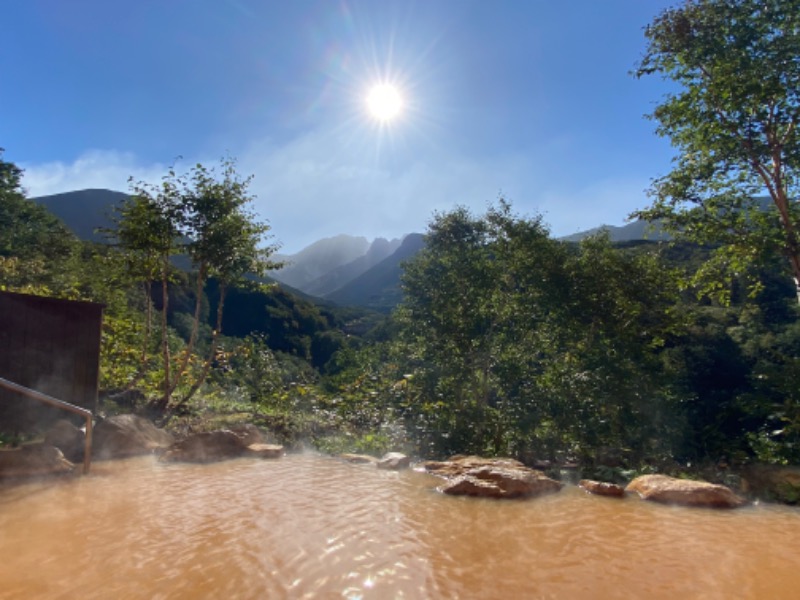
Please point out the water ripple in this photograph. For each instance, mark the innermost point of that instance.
(313, 527)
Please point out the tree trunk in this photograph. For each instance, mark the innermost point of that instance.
(212, 351)
(792, 244)
(187, 352)
(148, 326)
(163, 403)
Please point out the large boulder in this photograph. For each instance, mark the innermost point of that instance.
(393, 461)
(459, 464)
(685, 492)
(206, 447)
(491, 478)
(223, 444)
(263, 451)
(602, 488)
(33, 461)
(65, 436)
(248, 433)
(122, 436)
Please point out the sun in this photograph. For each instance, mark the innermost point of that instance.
(384, 102)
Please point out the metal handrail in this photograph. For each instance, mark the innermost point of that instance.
(87, 414)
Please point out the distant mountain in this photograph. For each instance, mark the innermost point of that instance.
(318, 259)
(340, 276)
(344, 270)
(379, 287)
(84, 211)
(638, 230)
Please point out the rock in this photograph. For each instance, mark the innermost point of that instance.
(500, 482)
(34, 460)
(121, 436)
(602, 488)
(206, 447)
(459, 464)
(669, 490)
(263, 451)
(491, 477)
(222, 444)
(772, 482)
(68, 438)
(393, 461)
(359, 459)
(248, 433)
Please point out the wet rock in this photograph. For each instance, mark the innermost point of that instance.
(669, 490)
(33, 461)
(393, 461)
(263, 451)
(206, 447)
(65, 436)
(491, 477)
(781, 484)
(359, 459)
(499, 482)
(121, 436)
(602, 488)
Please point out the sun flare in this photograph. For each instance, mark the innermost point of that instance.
(384, 102)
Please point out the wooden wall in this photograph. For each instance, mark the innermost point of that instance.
(52, 346)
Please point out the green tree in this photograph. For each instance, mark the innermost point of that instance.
(149, 231)
(27, 230)
(518, 343)
(734, 122)
(34, 244)
(621, 314)
(226, 243)
(203, 214)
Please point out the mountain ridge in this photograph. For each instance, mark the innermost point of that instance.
(379, 287)
(319, 258)
(343, 269)
(85, 212)
(379, 249)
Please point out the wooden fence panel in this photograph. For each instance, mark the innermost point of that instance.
(51, 346)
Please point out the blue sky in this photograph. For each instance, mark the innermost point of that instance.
(529, 99)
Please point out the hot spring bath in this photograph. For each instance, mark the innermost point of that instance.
(308, 526)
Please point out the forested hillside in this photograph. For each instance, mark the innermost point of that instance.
(86, 213)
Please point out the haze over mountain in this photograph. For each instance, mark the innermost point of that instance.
(318, 259)
(379, 287)
(379, 249)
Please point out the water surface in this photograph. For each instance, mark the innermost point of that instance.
(308, 526)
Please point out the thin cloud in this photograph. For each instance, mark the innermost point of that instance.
(320, 185)
(93, 169)
(324, 184)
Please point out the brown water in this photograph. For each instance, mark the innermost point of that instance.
(311, 527)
